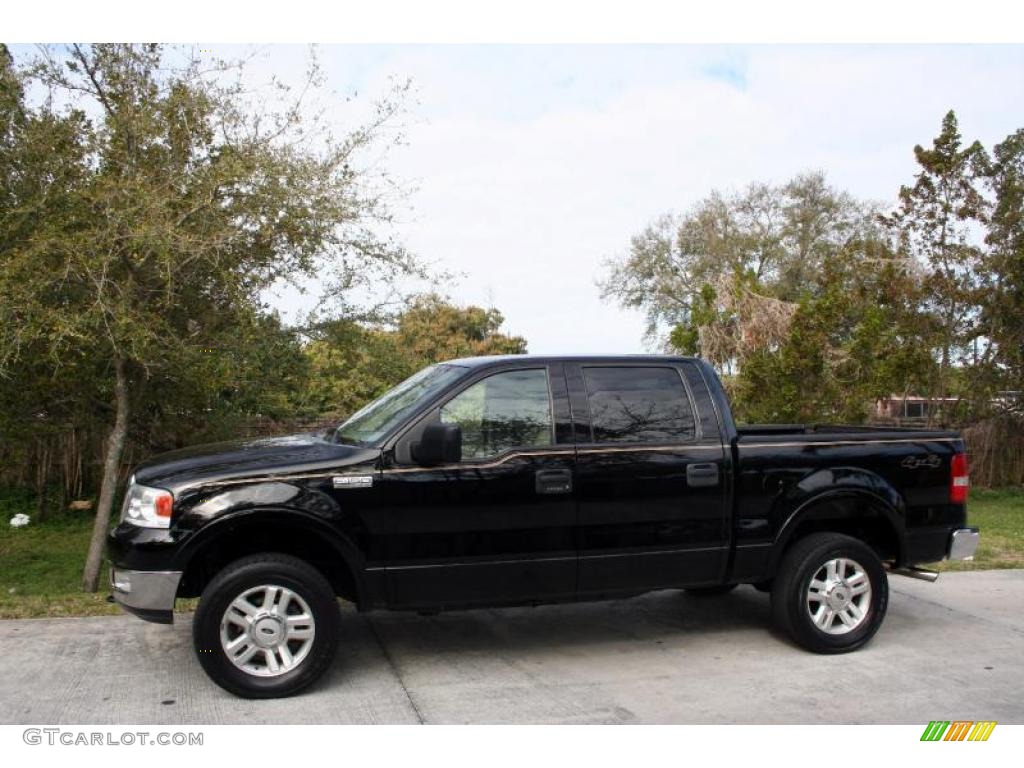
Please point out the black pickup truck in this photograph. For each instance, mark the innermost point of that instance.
(526, 480)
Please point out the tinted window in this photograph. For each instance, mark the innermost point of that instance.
(638, 404)
(503, 411)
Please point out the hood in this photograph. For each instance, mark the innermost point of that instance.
(239, 459)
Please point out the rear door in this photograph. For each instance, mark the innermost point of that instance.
(650, 478)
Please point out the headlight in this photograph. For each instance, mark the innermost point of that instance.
(147, 507)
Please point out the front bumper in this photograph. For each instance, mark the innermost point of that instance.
(962, 543)
(148, 594)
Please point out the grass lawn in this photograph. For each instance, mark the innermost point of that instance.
(41, 565)
(1000, 516)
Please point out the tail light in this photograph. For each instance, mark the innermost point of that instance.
(959, 481)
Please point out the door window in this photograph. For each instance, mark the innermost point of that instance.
(639, 404)
(504, 411)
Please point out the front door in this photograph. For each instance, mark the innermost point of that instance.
(650, 481)
(498, 526)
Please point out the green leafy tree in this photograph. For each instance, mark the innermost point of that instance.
(432, 329)
(353, 363)
(182, 203)
(1003, 295)
(791, 292)
(936, 224)
(857, 337)
(724, 277)
(42, 172)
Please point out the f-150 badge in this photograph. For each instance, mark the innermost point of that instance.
(352, 481)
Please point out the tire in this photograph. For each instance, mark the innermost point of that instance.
(284, 640)
(823, 573)
(719, 589)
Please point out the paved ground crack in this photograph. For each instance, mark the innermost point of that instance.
(395, 671)
(951, 609)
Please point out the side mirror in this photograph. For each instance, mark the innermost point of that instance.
(439, 444)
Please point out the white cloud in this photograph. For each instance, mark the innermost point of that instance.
(534, 165)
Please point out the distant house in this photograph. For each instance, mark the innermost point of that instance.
(911, 407)
(917, 408)
(1010, 400)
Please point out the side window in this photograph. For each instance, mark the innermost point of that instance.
(503, 411)
(638, 405)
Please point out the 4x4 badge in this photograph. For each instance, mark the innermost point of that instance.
(917, 462)
(352, 481)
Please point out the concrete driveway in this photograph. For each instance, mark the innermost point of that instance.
(950, 650)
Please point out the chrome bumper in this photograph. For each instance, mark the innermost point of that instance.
(963, 543)
(147, 591)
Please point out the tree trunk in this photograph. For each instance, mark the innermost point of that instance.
(42, 477)
(111, 465)
(62, 495)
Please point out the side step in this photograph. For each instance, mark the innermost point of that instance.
(916, 573)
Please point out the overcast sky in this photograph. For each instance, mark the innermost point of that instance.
(532, 165)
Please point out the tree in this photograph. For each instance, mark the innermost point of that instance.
(791, 291)
(857, 337)
(183, 204)
(933, 225)
(730, 270)
(812, 304)
(1002, 301)
(42, 170)
(353, 362)
(432, 329)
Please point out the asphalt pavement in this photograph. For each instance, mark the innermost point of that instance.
(953, 650)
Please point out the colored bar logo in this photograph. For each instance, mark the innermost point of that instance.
(958, 730)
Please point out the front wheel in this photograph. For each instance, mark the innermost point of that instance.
(266, 626)
(830, 593)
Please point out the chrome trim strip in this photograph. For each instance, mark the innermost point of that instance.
(517, 561)
(213, 483)
(487, 465)
(566, 452)
(642, 552)
(145, 590)
(742, 445)
(654, 448)
(526, 560)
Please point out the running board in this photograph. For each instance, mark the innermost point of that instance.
(916, 573)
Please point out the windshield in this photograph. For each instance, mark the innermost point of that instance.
(371, 422)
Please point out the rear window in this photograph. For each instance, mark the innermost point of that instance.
(638, 404)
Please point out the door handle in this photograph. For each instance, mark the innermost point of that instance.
(549, 481)
(702, 475)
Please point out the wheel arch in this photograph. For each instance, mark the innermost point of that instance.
(857, 512)
(281, 530)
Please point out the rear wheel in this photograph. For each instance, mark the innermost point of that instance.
(830, 593)
(266, 626)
